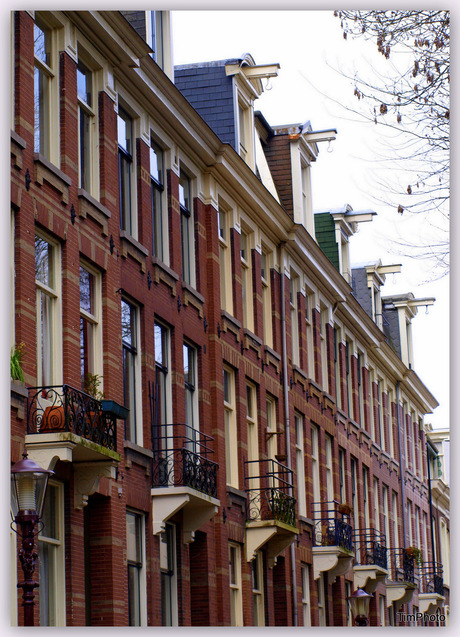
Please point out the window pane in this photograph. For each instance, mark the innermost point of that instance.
(133, 545)
(156, 162)
(125, 193)
(46, 338)
(128, 331)
(40, 44)
(124, 131)
(86, 291)
(189, 365)
(84, 83)
(85, 151)
(41, 106)
(134, 595)
(227, 387)
(49, 516)
(43, 263)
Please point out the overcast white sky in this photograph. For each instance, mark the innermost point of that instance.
(307, 44)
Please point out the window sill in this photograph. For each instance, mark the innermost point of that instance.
(230, 324)
(250, 340)
(272, 358)
(17, 146)
(162, 272)
(46, 171)
(90, 207)
(129, 246)
(192, 297)
(135, 454)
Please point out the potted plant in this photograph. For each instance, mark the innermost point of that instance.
(416, 553)
(15, 363)
(92, 384)
(345, 508)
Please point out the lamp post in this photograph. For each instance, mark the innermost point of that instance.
(359, 603)
(28, 489)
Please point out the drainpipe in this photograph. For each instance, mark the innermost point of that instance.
(402, 464)
(431, 505)
(287, 424)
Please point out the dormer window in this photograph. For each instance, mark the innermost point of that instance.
(247, 87)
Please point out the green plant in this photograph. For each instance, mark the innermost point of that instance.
(345, 508)
(16, 359)
(416, 553)
(91, 385)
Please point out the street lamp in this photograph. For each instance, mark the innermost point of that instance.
(359, 603)
(28, 489)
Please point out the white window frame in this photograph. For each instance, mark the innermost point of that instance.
(337, 369)
(48, 69)
(225, 258)
(315, 464)
(136, 351)
(348, 592)
(141, 568)
(376, 504)
(386, 520)
(246, 278)
(129, 225)
(88, 178)
(258, 597)
(329, 469)
(367, 518)
(168, 562)
(309, 305)
(192, 417)
(349, 376)
(272, 437)
(361, 367)
(236, 591)
(324, 321)
(159, 203)
(267, 257)
(231, 434)
(187, 226)
(52, 292)
(300, 464)
(380, 414)
(94, 319)
(58, 610)
(305, 582)
(342, 460)
(395, 518)
(321, 600)
(294, 306)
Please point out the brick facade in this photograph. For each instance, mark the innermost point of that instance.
(95, 535)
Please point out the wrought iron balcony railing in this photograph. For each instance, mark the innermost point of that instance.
(331, 527)
(431, 578)
(401, 566)
(62, 408)
(370, 547)
(269, 487)
(180, 458)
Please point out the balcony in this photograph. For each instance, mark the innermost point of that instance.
(401, 582)
(64, 423)
(270, 508)
(431, 587)
(371, 559)
(332, 540)
(183, 478)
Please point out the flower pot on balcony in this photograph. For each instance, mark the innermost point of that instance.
(345, 508)
(114, 408)
(416, 553)
(53, 419)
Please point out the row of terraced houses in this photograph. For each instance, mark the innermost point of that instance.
(229, 406)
